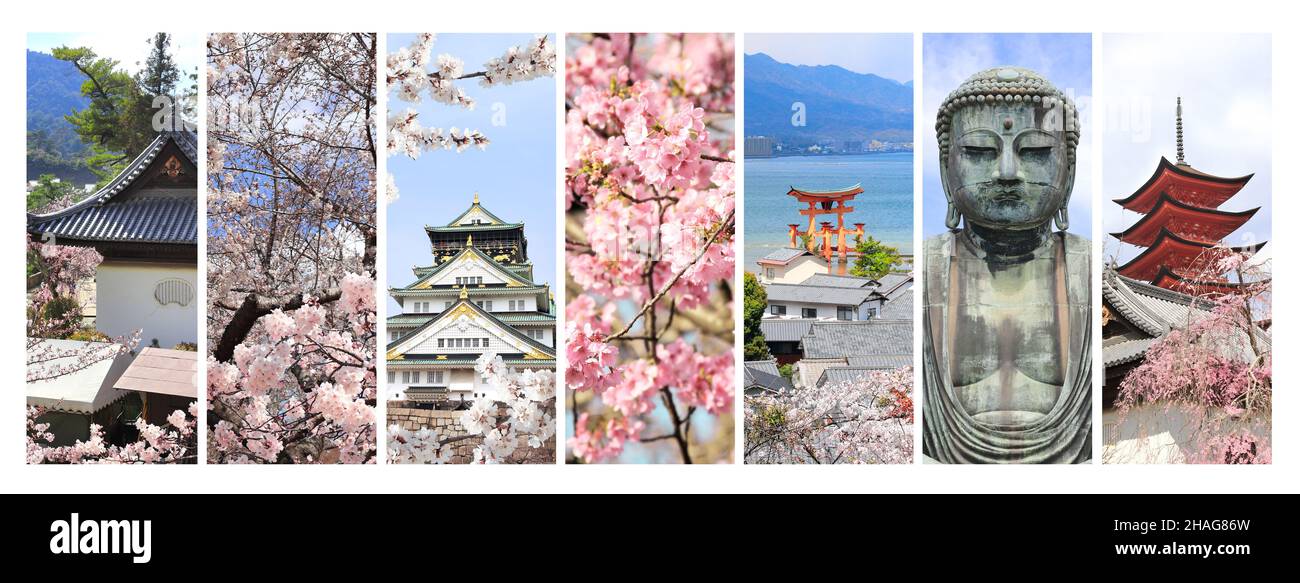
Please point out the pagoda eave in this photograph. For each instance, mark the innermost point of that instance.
(1175, 252)
(1170, 214)
(1169, 174)
(1171, 280)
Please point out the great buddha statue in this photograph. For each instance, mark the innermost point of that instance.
(1007, 299)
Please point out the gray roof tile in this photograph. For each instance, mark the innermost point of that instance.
(832, 339)
(144, 220)
(829, 280)
(785, 254)
(808, 294)
(775, 330)
(899, 308)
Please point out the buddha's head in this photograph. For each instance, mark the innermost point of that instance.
(1007, 140)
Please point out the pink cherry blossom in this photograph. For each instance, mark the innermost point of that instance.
(648, 330)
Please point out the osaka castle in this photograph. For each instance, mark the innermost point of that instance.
(477, 296)
(1182, 226)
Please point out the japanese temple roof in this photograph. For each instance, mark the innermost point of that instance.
(1155, 311)
(142, 220)
(1170, 213)
(834, 338)
(850, 191)
(1173, 251)
(1168, 173)
(1126, 351)
(162, 371)
(100, 218)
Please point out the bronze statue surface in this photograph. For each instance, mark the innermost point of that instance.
(1007, 302)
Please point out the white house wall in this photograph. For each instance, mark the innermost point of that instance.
(797, 271)
(125, 302)
(795, 310)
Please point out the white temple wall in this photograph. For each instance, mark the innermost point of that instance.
(1156, 434)
(126, 298)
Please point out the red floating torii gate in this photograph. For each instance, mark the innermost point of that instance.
(826, 202)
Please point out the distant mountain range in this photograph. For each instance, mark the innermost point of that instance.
(841, 105)
(53, 147)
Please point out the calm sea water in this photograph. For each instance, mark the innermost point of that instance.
(885, 206)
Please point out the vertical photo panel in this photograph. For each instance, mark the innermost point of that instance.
(112, 247)
(828, 248)
(471, 248)
(1007, 290)
(1187, 288)
(650, 194)
(292, 244)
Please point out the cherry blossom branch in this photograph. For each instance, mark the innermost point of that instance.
(726, 224)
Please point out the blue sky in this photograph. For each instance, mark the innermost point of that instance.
(1225, 81)
(129, 48)
(949, 59)
(886, 55)
(515, 176)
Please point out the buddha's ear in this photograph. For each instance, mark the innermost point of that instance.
(952, 218)
(1069, 175)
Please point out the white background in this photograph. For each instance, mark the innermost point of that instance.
(674, 16)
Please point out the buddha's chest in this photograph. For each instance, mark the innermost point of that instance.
(1005, 331)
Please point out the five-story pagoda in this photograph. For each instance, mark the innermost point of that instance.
(1182, 227)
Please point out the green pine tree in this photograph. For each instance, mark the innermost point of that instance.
(875, 259)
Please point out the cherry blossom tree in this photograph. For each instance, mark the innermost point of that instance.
(54, 311)
(291, 247)
(650, 189)
(175, 442)
(1210, 379)
(517, 415)
(413, 74)
(865, 421)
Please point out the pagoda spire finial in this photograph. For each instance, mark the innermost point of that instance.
(1179, 129)
(476, 197)
(464, 292)
(469, 241)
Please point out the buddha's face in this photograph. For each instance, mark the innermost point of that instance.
(1008, 167)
